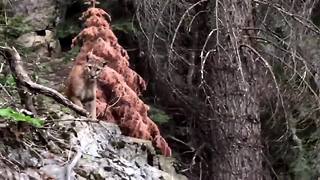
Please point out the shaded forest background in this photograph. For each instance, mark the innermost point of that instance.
(185, 42)
(234, 85)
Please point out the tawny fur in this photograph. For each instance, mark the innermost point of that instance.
(81, 85)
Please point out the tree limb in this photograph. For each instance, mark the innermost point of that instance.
(22, 78)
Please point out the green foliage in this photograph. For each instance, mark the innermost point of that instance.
(13, 27)
(8, 81)
(71, 54)
(124, 25)
(15, 116)
(69, 27)
(298, 150)
(300, 167)
(158, 116)
(65, 110)
(25, 51)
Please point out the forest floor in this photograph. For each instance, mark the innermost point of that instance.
(51, 71)
(71, 146)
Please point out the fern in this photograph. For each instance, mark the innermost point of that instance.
(12, 115)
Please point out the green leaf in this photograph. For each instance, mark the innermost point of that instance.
(158, 115)
(15, 116)
(8, 81)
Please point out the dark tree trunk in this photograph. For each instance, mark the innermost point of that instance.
(220, 91)
(231, 75)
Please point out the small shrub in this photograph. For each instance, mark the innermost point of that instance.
(8, 81)
(14, 27)
(159, 116)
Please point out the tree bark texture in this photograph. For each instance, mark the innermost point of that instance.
(231, 76)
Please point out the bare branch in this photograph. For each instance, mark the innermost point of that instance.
(22, 77)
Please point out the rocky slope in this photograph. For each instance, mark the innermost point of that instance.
(67, 147)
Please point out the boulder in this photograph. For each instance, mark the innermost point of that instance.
(40, 14)
(46, 44)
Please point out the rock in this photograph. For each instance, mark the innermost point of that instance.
(24, 157)
(33, 174)
(104, 154)
(166, 164)
(55, 170)
(46, 45)
(40, 14)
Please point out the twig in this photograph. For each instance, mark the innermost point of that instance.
(72, 164)
(181, 20)
(181, 142)
(6, 91)
(14, 166)
(74, 120)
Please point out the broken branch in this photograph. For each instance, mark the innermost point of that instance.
(21, 76)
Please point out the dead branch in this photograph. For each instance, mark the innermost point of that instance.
(21, 76)
(26, 98)
(72, 164)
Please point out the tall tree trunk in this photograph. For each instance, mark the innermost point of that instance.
(221, 90)
(232, 77)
